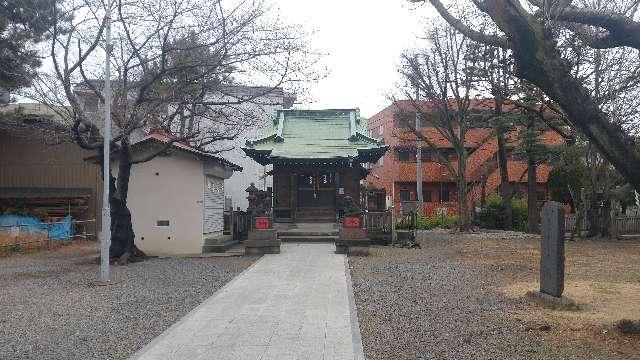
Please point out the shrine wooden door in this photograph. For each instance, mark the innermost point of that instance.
(316, 189)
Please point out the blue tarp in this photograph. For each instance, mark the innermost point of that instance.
(58, 231)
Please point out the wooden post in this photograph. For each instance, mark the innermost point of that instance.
(293, 198)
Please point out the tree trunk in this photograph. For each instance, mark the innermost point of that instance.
(538, 60)
(123, 248)
(483, 194)
(593, 215)
(506, 190)
(463, 206)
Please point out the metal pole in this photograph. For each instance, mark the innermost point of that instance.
(105, 244)
(419, 156)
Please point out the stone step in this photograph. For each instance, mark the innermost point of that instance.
(307, 233)
(219, 247)
(310, 213)
(309, 239)
(218, 240)
(316, 219)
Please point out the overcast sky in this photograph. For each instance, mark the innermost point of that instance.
(364, 40)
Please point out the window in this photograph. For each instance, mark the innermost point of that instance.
(162, 222)
(380, 129)
(444, 194)
(91, 104)
(426, 196)
(404, 155)
(405, 195)
(427, 155)
(542, 196)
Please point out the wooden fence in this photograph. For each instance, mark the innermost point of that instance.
(626, 225)
(378, 221)
(570, 223)
(620, 225)
(238, 221)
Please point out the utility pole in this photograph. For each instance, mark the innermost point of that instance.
(418, 155)
(105, 242)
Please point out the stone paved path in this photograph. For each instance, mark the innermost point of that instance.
(294, 305)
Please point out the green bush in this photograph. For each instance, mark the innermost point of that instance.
(15, 248)
(430, 222)
(492, 215)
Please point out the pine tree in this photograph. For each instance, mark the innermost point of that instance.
(23, 23)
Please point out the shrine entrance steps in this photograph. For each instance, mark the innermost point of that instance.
(308, 232)
(316, 215)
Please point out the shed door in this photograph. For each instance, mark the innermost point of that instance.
(213, 204)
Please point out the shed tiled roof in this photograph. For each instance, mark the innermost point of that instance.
(161, 137)
(316, 134)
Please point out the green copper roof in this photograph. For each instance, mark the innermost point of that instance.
(316, 134)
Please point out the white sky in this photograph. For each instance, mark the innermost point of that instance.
(364, 40)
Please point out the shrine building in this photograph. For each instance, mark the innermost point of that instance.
(317, 158)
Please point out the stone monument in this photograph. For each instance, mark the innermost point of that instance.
(552, 250)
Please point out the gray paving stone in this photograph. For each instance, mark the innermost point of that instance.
(294, 305)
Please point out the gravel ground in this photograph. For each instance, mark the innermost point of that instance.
(421, 304)
(49, 308)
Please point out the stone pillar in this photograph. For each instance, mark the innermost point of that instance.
(552, 250)
(352, 233)
(262, 237)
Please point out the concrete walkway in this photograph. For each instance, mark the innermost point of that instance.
(294, 305)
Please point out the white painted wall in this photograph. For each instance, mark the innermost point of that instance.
(262, 110)
(168, 188)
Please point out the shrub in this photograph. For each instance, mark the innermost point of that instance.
(492, 215)
(15, 248)
(431, 222)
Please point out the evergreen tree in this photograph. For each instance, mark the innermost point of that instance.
(23, 23)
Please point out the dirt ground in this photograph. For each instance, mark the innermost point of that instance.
(27, 243)
(602, 276)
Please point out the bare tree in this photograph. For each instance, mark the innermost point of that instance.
(532, 36)
(443, 74)
(173, 60)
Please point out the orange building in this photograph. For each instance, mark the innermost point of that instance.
(396, 171)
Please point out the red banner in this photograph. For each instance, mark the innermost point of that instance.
(262, 223)
(352, 222)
